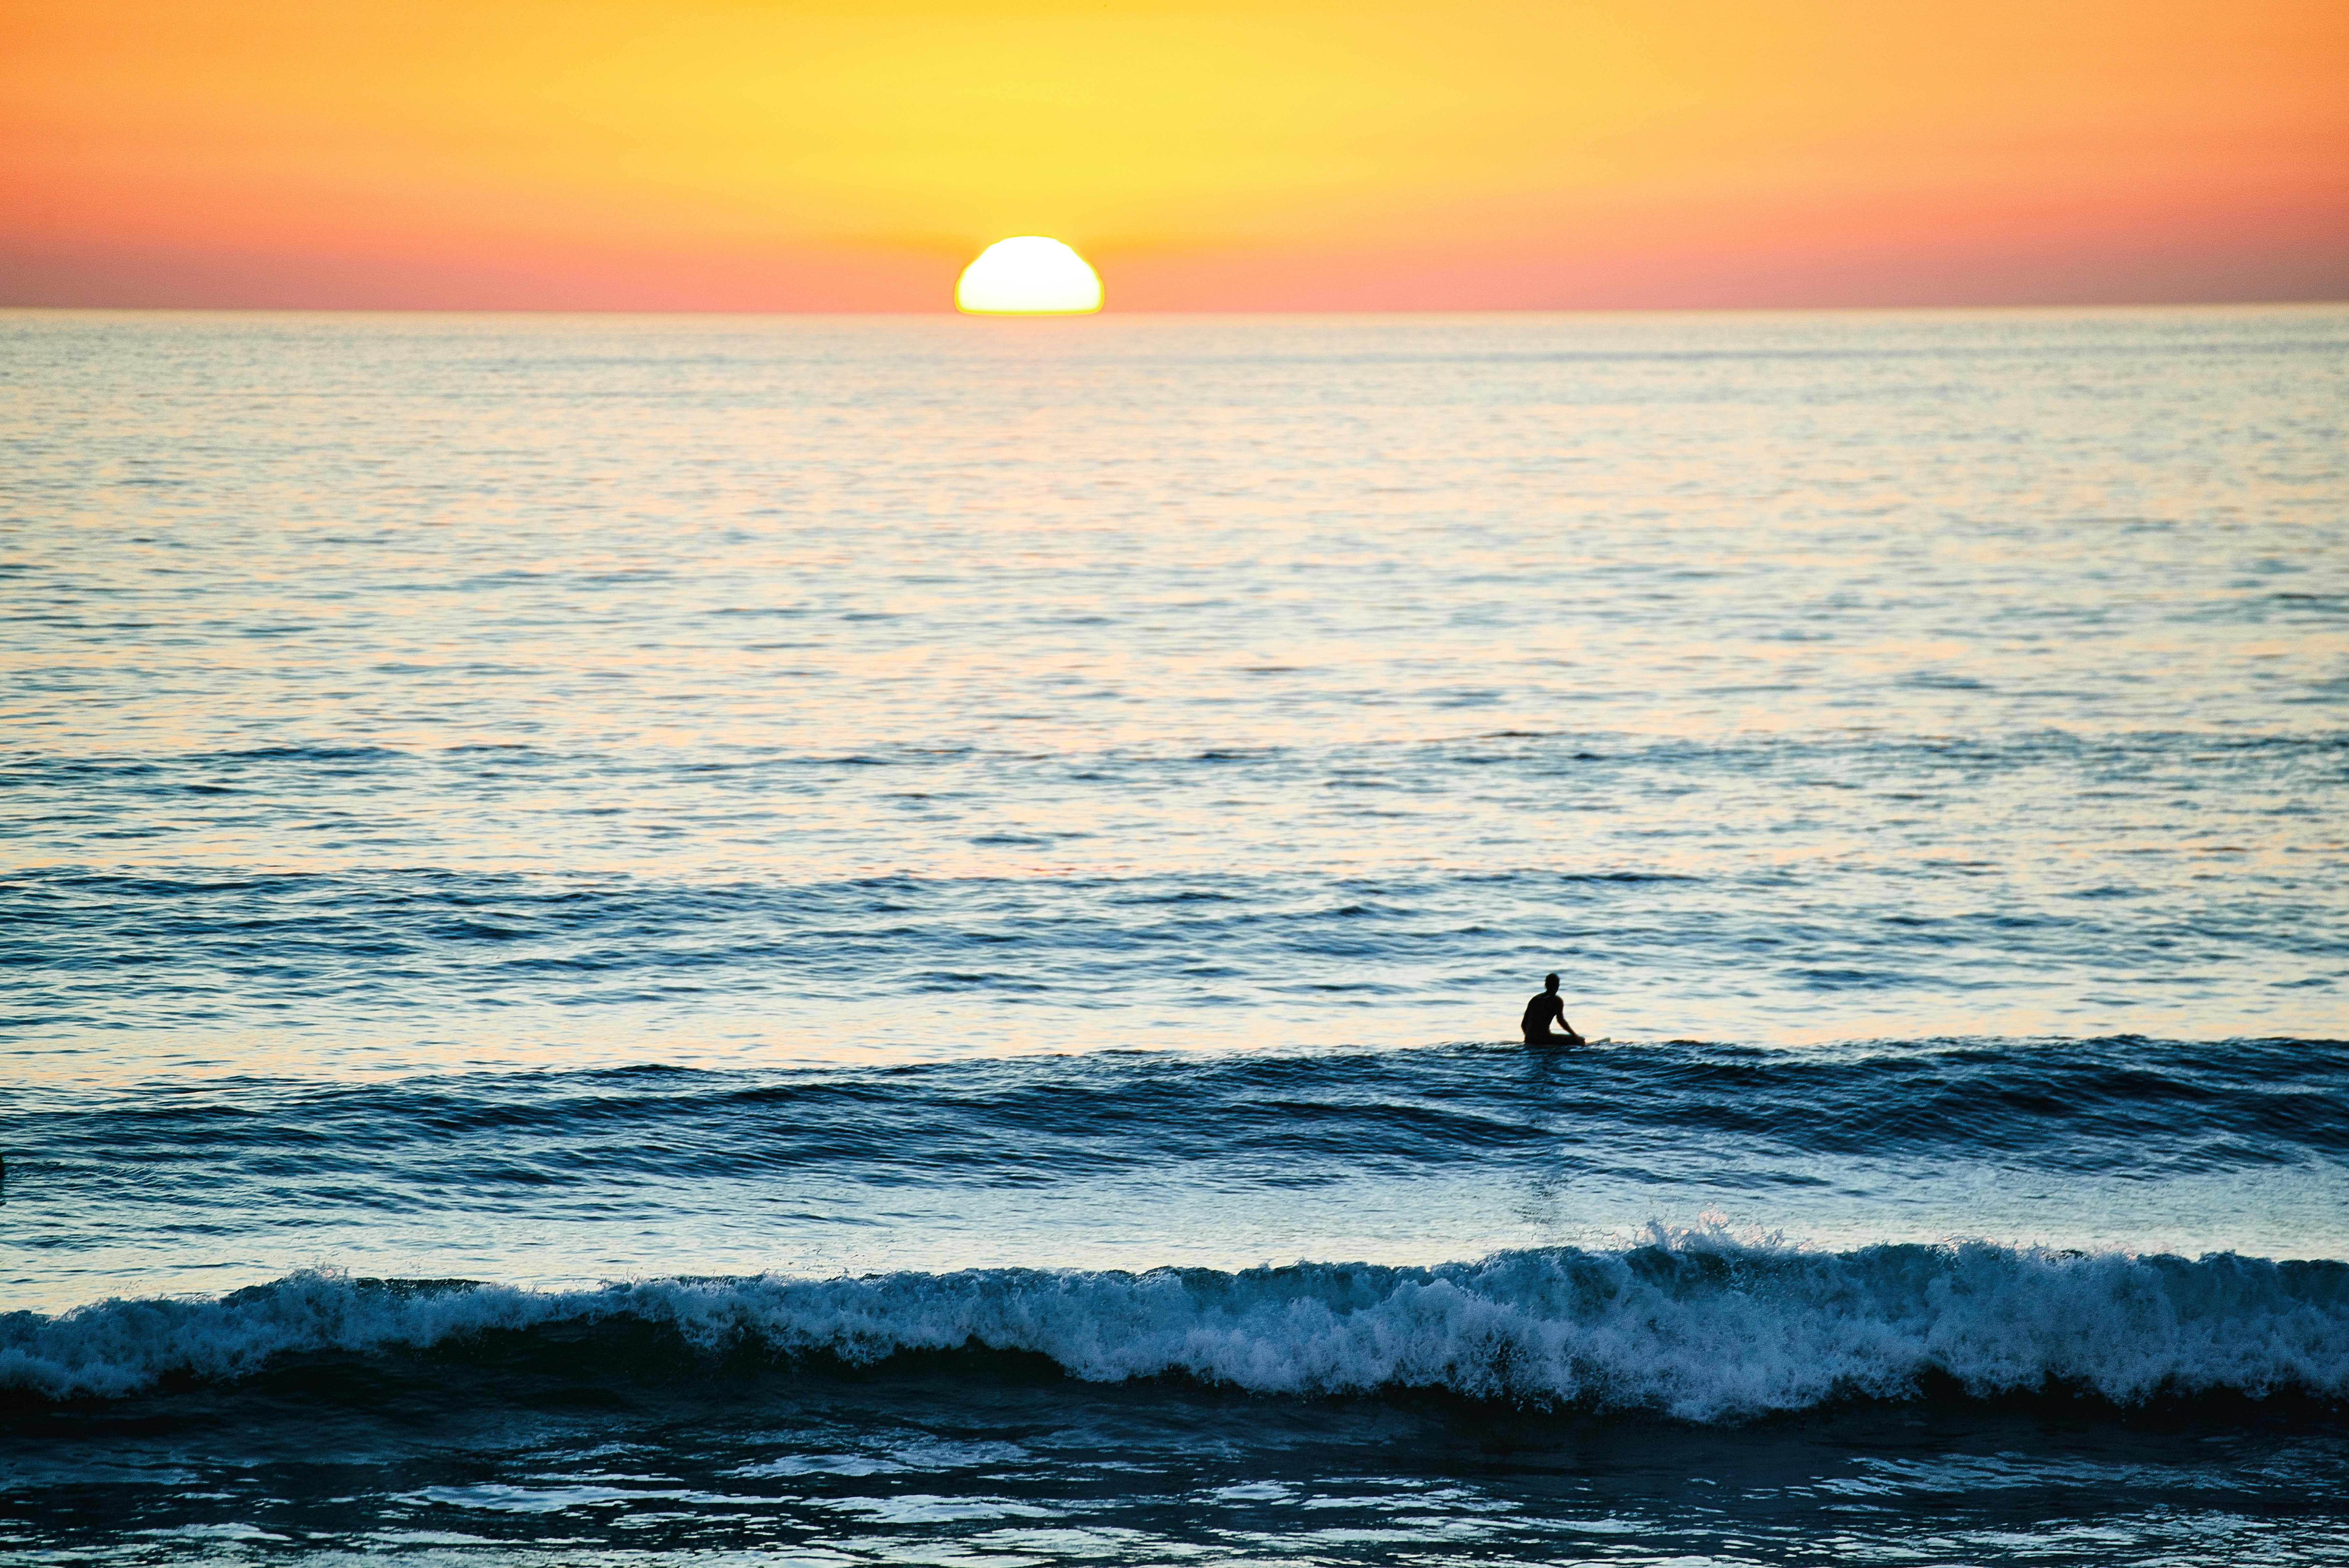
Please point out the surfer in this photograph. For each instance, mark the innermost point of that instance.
(1541, 1010)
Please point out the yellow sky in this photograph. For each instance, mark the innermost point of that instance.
(747, 153)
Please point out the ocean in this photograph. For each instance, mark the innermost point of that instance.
(836, 940)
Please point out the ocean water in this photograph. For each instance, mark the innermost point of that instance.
(870, 941)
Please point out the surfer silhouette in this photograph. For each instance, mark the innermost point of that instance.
(1544, 1008)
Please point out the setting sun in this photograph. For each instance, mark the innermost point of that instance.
(1029, 276)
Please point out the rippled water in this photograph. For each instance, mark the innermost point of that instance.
(799, 861)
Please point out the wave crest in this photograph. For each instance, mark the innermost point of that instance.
(1696, 1327)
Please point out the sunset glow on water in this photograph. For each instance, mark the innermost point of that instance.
(867, 837)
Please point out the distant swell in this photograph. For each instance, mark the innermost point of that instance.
(1694, 1327)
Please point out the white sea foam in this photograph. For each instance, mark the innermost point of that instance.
(1699, 1328)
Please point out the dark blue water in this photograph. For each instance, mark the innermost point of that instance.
(835, 941)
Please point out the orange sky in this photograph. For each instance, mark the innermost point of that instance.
(1206, 154)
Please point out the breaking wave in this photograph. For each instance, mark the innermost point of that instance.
(1694, 1326)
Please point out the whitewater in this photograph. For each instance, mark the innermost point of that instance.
(1701, 1330)
(874, 940)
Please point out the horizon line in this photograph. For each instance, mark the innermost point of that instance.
(950, 313)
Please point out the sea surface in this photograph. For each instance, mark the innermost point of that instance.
(849, 940)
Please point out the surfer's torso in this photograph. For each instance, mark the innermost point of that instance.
(1545, 1006)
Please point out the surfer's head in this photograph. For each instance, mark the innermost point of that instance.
(1549, 983)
